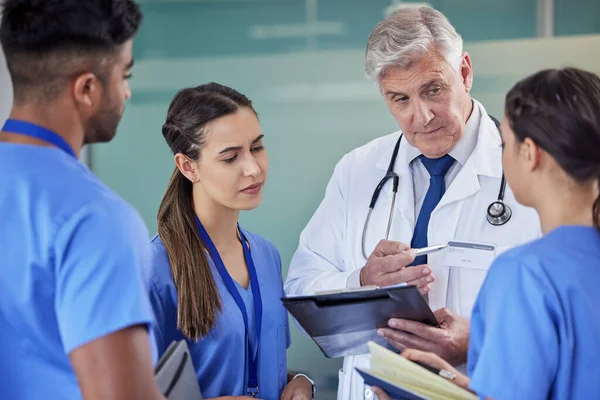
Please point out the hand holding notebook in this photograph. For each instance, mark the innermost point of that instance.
(404, 379)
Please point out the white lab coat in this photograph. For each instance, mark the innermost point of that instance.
(330, 245)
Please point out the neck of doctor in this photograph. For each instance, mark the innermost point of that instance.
(560, 206)
(469, 104)
(219, 221)
(53, 116)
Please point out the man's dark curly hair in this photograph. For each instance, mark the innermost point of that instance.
(46, 42)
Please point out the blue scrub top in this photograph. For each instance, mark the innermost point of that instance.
(74, 266)
(535, 328)
(220, 357)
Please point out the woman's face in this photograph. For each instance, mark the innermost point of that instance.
(233, 164)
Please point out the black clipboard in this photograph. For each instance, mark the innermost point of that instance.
(175, 374)
(341, 324)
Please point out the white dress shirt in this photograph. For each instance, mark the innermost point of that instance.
(460, 152)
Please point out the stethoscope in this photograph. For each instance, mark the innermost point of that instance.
(498, 213)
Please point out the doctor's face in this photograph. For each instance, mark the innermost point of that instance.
(430, 101)
(233, 163)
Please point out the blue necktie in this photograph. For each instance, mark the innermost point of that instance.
(437, 168)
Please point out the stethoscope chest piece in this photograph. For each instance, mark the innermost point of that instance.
(498, 213)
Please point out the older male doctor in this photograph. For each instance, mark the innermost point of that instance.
(449, 167)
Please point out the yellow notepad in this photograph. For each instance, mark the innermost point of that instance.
(398, 371)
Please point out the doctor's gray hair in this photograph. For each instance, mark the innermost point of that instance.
(406, 35)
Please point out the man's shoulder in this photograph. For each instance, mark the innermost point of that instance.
(63, 191)
(372, 150)
(95, 207)
(109, 218)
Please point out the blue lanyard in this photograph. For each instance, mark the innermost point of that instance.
(38, 132)
(252, 384)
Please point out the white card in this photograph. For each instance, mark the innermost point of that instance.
(472, 255)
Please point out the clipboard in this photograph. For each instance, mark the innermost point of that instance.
(342, 323)
(175, 374)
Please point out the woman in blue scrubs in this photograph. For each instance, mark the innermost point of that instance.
(216, 284)
(535, 328)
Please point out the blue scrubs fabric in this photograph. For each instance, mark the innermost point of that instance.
(74, 266)
(535, 328)
(248, 298)
(220, 357)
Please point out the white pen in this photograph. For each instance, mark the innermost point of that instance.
(430, 249)
(441, 372)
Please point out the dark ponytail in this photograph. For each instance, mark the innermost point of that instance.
(184, 130)
(559, 109)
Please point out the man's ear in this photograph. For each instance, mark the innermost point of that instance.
(466, 72)
(87, 92)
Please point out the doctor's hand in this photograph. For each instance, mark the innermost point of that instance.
(386, 266)
(450, 341)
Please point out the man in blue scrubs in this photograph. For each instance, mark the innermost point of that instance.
(74, 257)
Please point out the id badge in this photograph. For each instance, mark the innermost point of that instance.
(468, 263)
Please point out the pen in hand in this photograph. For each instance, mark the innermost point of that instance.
(441, 372)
